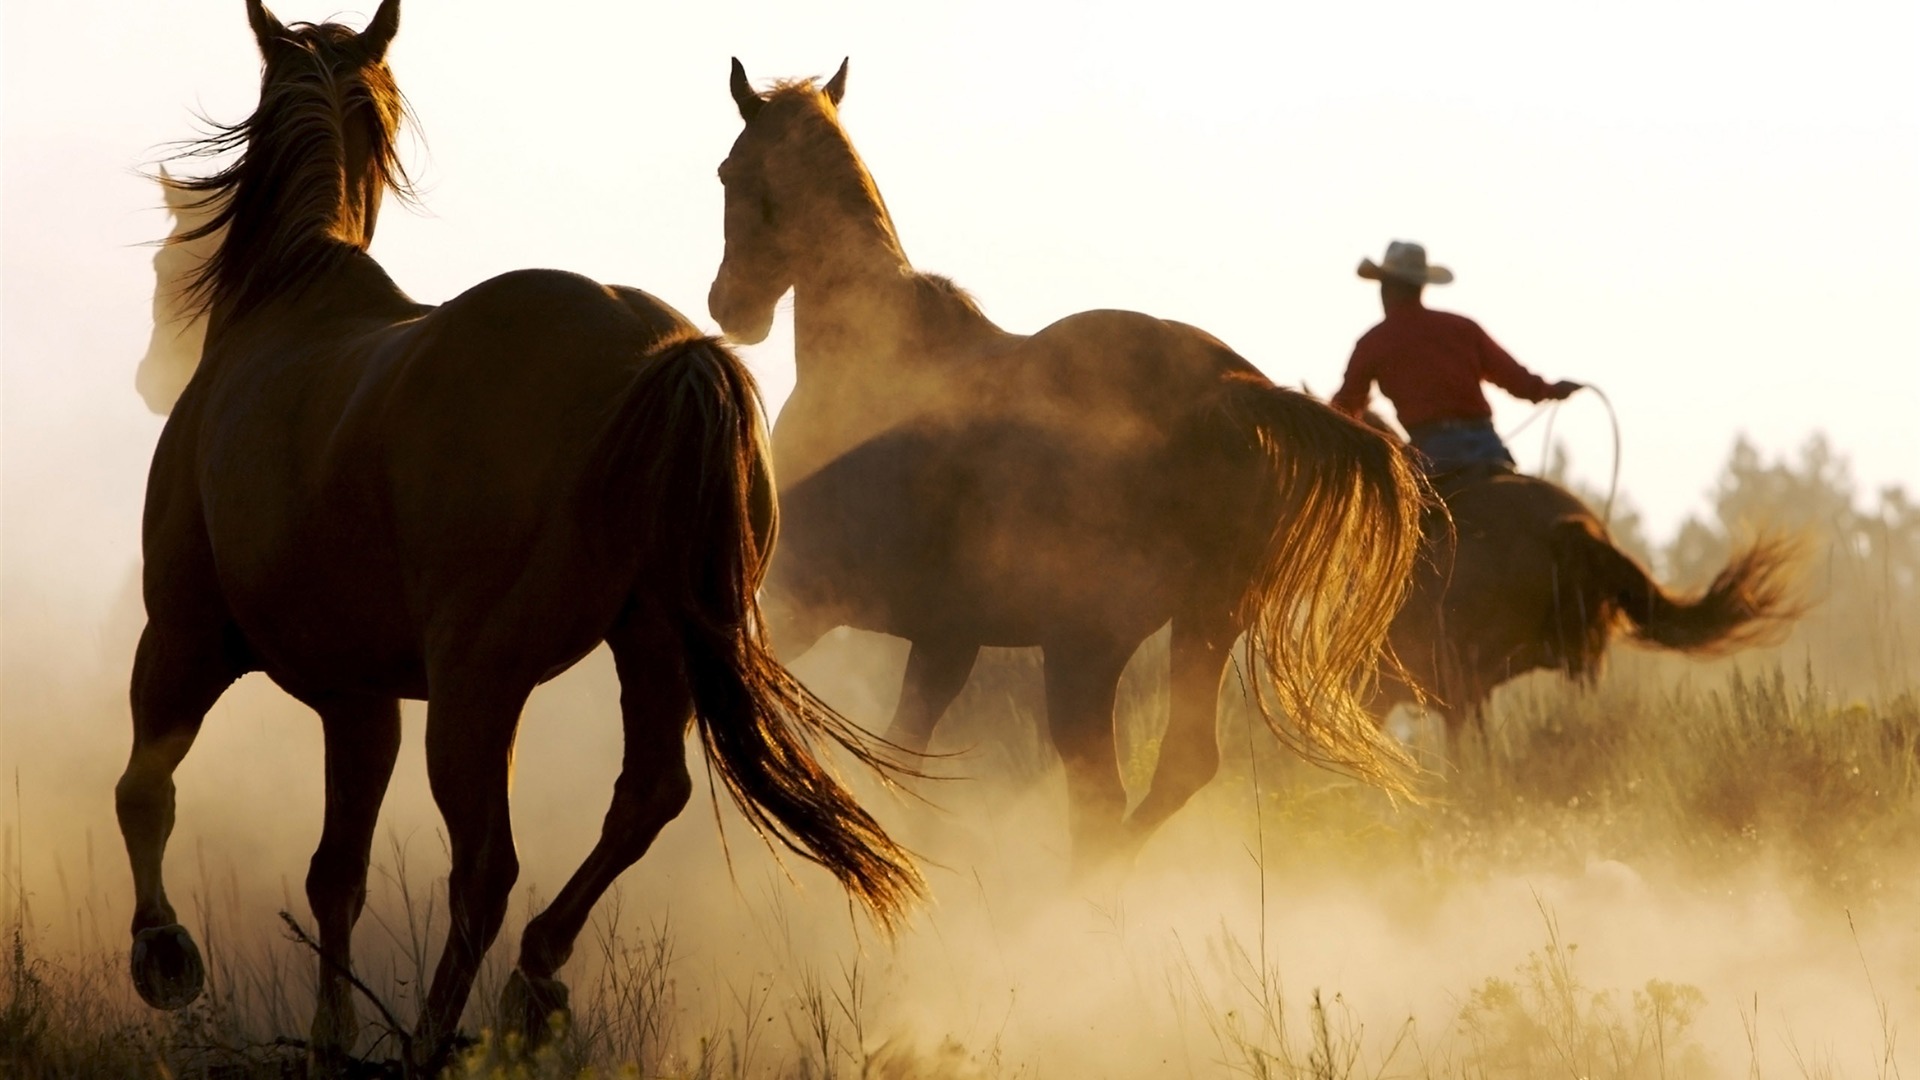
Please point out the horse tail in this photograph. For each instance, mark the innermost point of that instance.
(1750, 602)
(692, 427)
(1342, 529)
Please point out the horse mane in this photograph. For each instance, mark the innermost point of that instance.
(943, 309)
(792, 87)
(280, 200)
(942, 291)
(831, 158)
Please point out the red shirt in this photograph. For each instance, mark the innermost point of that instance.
(1430, 365)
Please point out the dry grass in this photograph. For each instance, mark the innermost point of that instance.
(1755, 772)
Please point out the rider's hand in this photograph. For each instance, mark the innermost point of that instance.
(1564, 389)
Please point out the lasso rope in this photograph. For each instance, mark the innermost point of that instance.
(1551, 410)
(1613, 479)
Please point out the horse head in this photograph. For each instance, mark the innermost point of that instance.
(314, 160)
(308, 66)
(791, 174)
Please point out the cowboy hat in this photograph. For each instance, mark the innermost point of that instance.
(1405, 262)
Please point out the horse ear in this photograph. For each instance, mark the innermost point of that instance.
(176, 196)
(266, 28)
(837, 86)
(743, 96)
(379, 33)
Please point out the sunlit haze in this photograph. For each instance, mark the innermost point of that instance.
(1709, 211)
(1706, 210)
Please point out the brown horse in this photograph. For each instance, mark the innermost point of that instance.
(369, 498)
(1525, 578)
(948, 482)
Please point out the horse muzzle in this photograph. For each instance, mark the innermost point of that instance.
(745, 321)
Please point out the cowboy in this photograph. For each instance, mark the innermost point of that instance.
(1430, 365)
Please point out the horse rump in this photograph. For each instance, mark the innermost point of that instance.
(1749, 602)
(690, 433)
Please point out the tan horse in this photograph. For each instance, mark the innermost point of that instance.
(1526, 579)
(948, 482)
(179, 329)
(369, 498)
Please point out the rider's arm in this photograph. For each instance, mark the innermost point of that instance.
(1357, 387)
(1503, 371)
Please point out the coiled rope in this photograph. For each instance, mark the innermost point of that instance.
(1551, 410)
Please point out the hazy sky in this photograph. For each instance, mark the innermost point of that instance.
(1711, 210)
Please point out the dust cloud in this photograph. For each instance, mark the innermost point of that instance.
(1286, 917)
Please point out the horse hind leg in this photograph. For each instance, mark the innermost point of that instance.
(472, 715)
(655, 706)
(1190, 750)
(1082, 677)
(362, 740)
(937, 670)
(177, 676)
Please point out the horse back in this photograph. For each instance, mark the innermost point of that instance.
(1080, 470)
(370, 483)
(1122, 359)
(1118, 376)
(1500, 539)
(1502, 591)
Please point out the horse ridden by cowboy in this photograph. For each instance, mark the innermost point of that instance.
(1519, 575)
(1430, 364)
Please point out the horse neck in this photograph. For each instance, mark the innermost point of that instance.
(352, 287)
(872, 351)
(298, 230)
(850, 295)
(862, 313)
(869, 332)
(851, 317)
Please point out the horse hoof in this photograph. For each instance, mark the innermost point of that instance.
(166, 967)
(331, 1038)
(536, 1007)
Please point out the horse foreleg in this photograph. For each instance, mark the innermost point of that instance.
(362, 740)
(655, 705)
(1190, 750)
(177, 676)
(1082, 677)
(470, 730)
(937, 670)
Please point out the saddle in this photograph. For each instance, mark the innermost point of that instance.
(1454, 479)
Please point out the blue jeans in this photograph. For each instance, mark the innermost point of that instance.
(1450, 444)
